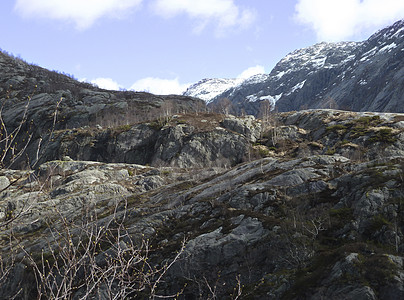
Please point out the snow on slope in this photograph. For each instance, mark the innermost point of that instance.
(321, 55)
(312, 73)
(207, 89)
(313, 58)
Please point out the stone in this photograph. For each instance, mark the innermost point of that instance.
(246, 126)
(4, 182)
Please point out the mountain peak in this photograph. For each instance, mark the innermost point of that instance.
(321, 55)
(356, 76)
(394, 31)
(208, 88)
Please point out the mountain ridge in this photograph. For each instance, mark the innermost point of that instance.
(322, 76)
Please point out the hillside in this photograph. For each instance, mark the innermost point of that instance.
(358, 76)
(126, 195)
(311, 209)
(48, 101)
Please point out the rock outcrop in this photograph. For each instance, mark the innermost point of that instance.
(39, 101)
(313, 227)
(181, 141)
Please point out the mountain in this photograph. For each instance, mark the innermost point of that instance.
(125, 195)
(207, 89)
(358, 76)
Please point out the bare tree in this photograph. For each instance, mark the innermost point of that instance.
(97, 258)
(265, 113)
(330, 103)
(223, 106)
(269, 121)
(10, 149)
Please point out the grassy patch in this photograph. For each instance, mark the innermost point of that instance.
(360, 126)
(316, 145)
(330, 151)
(344, 214)
(123, 128)
(339, 218)
(367, 121)
(155, 125)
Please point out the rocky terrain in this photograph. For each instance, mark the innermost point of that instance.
(185, 141)
(44, 102)
(358, 76)
(305, 206)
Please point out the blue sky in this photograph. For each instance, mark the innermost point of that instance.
(162, 46)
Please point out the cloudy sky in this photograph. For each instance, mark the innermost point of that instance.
(162, 46)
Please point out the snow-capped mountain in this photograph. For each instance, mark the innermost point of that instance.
(207, 89)
(358, 76)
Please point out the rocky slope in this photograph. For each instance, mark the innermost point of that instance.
(182, 140)
(43, 101)
(319, 215)
(361, 76)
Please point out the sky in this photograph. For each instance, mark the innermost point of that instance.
(163, 46)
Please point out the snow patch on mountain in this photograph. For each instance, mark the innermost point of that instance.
(317, 56)
(309, 74)
(296, 87)
(271, 99)
(388, 47)
(254, 79)
(209, 88)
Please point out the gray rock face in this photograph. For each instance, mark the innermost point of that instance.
(353, 135)
(181, 145)
(350, 267)
(258, 220)
(59, 102)
(330, 188)
(4, 182)
(245, 126)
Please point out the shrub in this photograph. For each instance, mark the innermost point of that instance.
(124, 128)
(263, 152)
(384, 135)
(337, 127)
(330, 151)
(367, 121)
(377, 223)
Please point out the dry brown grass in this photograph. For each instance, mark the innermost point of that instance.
(202, 122)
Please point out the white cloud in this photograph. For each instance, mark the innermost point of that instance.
(83, 13)
(159, 86)
(336, 20)
(224, 13)
(251, 72)
(106, 83)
